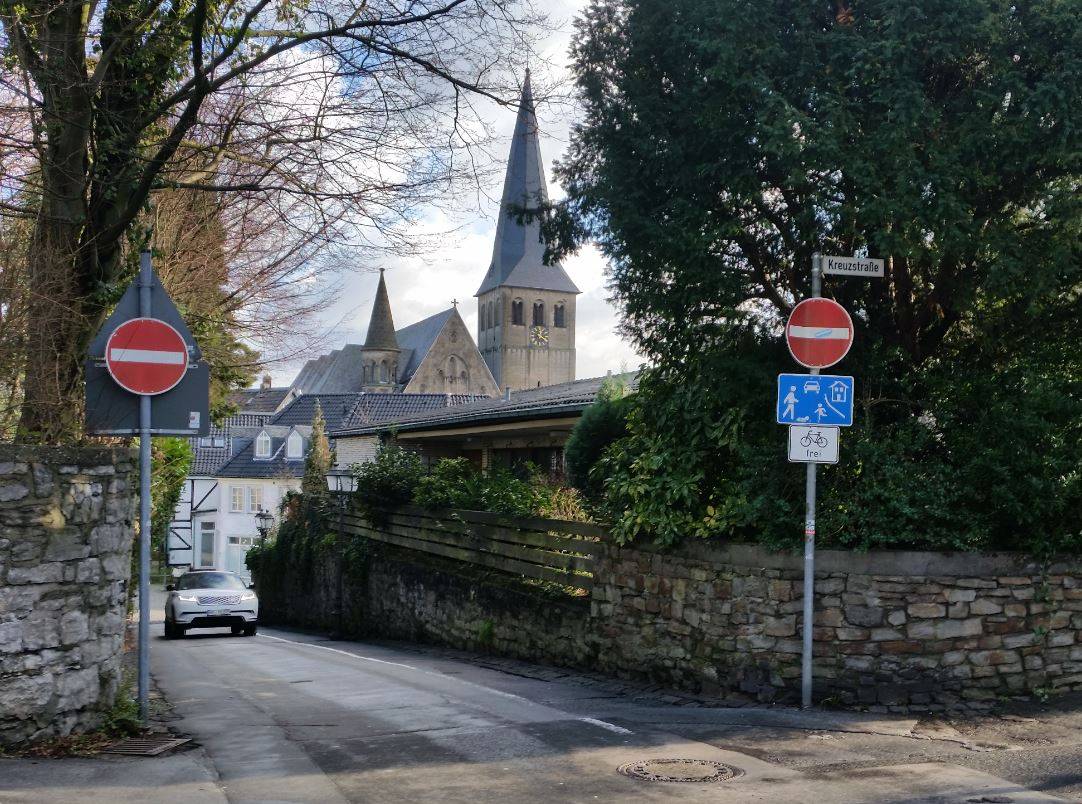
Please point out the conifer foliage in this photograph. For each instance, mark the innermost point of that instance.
(723, 143)
(319, 460)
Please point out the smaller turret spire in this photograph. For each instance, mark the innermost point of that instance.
(381, 326)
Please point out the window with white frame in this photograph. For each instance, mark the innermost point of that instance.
(236, 499)
(255, 499)
(294, 445)
(262, 446)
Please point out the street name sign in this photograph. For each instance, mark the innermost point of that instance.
(816, 444)
(146, 356)
(819, 333)
(853, 266)
(815, 399)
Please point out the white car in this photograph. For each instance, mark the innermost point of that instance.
(210, 599)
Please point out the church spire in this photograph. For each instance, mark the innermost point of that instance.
(517, 258)
(381, 327)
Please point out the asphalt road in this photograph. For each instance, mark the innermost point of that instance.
(291, 717)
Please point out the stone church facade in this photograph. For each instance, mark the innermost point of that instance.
(525, 312)
(525, 308)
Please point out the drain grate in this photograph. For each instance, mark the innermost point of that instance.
(679, 770)
(146, 746)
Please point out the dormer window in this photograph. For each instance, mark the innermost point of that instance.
(294, 445)
(262, 445)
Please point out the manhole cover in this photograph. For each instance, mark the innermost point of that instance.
(145, 746)
(678, 770)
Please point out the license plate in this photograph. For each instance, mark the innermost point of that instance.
(218, 612)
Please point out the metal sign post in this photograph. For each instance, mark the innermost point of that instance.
(809, 538)
(144, 377)
(144, 510)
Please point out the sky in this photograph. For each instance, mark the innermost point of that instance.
(424, 284)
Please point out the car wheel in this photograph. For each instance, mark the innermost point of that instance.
(170, 632)
(249, 630)
(237, 630)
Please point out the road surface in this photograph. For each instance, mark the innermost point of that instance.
(290, 717)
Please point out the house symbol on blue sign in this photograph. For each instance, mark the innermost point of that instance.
(815, 399)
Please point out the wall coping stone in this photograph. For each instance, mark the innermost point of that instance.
(904, 563)
(69, 453)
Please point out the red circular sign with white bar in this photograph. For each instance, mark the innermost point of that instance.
(146, 356)
(819, 333)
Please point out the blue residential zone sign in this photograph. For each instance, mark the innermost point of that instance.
(815, 399)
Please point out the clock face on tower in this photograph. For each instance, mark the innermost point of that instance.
(539, 336)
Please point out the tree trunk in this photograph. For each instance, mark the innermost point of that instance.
(56, 339)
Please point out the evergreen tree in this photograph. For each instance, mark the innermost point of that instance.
(723, 143)
(319, 459)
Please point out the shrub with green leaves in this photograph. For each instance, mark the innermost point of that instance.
(455, 483)
(388, 481)
(601, 424)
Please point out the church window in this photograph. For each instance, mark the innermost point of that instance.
(491, 314)
(464, 379)
(365, 371)
(539, 314)
(383, 371)
(558, 315)
(516, 312)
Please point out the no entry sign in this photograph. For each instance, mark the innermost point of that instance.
(819, 333)
(146, 356)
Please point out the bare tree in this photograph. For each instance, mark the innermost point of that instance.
(328, 118)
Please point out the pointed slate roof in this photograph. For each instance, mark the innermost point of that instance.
(417, 339)
(381, 325)
(517, 258)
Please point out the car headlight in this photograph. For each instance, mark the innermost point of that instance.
(186, 598)
(248, 596)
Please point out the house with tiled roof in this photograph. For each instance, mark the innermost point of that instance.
(251, 461)
(522, 426)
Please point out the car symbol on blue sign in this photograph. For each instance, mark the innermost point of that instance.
(823, 399)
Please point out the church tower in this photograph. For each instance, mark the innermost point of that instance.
(526, 309)
(380, 352)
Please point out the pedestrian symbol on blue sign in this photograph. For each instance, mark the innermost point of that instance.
(821, 399)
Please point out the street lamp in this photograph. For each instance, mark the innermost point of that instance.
(263, 522)
(342, 484)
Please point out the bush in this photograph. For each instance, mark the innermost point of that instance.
(388, 481)
(601, 424)
(455, 483)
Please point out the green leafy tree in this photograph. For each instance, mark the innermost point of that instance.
(170, 460)
(723, 144)
(601, 424)
(319, 460)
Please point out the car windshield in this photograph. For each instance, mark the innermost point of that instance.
(210, 580)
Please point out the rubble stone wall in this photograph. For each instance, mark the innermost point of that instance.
(894, 631)
(65, 551)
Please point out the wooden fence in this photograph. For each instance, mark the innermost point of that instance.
(544, 549)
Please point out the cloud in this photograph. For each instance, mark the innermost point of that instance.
(424, 284)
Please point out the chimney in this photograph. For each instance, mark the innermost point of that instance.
(266, 382)
(507, 394)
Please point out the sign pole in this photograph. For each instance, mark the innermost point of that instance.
(809, 539)
(145, 282)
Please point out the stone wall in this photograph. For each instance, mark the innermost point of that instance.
(65, 548)
(894, 631)
(400, 594)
